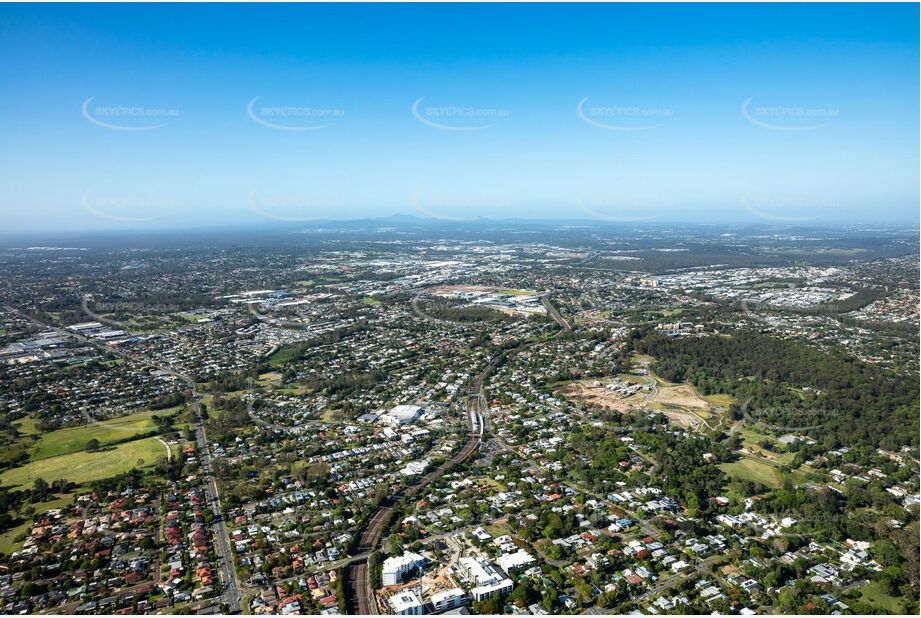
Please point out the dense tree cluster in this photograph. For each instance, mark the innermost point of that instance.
(838, 400)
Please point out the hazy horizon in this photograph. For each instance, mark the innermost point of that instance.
(418, 225)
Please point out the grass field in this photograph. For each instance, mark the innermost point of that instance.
(749, 470)
(720, 401)
(190, 317)
(874, 594)
(82, 467)
(74, 439)
(641, 358)
(282, 355)
(27, 425)
(767, 473)
(292, 390)
(750, 439)
(269, 380)
(22, 446)
(334, 415)
(493, 483)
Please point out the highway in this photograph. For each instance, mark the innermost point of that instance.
(555, 314)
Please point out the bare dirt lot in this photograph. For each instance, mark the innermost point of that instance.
(596, 392)
(679, 402)
(682, 395)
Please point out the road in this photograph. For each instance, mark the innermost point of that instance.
(671, 581)
(359, 589)
(169, 449)
(564, 325)
(231, 595)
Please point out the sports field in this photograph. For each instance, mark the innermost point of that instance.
(74, 439)
(82, 467)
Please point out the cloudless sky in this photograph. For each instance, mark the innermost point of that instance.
(711, 112)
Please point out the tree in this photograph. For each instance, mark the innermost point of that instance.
(489, 606)
(92, 445)
(519, 596)
(40, 490)
(393, 544)
(317, 471)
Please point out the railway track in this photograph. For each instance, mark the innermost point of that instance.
(359, 591)
(359, 582)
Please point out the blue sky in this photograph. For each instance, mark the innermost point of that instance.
(137, 116)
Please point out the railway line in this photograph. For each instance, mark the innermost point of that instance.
(358, 588)
(359, 591)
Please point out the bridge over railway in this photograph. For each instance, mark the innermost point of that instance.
(359, 590)
(358, 587)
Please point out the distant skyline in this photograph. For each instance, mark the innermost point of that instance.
(166, 116)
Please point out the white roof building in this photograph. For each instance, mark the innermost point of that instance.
(481, 593)
(401, 415)
(448, 599)
(519, 560)
(406, 604)
(478, 571)
(395, 568)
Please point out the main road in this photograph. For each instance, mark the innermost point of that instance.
(231, 595)
(555, 314)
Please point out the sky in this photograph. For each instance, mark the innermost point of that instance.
(160, 116)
